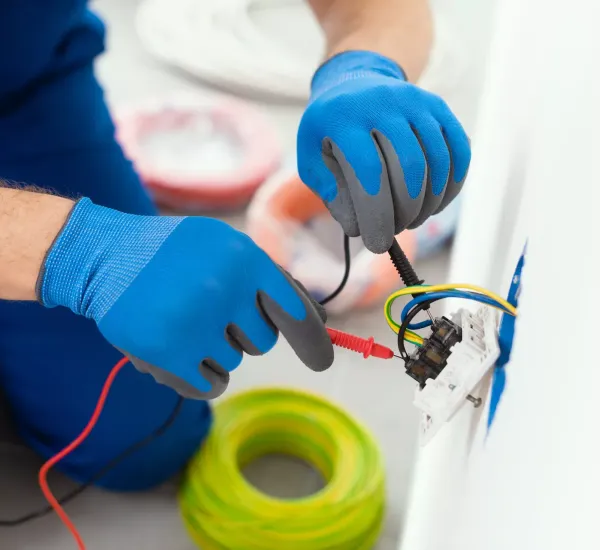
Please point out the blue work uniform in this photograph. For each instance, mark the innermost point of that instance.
(56, 133)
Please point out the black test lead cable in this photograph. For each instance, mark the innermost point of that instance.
(347, 261)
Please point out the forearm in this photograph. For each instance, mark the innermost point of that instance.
(29, 223)
(399, 29)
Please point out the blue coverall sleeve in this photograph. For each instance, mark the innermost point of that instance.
(56, 133)
(42, 37)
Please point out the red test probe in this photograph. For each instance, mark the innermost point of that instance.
(366, 346)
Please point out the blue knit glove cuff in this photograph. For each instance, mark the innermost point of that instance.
(352, 65)
(97, 255)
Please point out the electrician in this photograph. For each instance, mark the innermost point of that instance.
(88, 271)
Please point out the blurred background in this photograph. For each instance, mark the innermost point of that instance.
(207, 98)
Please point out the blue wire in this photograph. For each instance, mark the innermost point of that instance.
(445, 294)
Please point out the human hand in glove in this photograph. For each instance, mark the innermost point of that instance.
(182, 297)
(383, 154)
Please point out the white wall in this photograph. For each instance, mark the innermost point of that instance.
(533, 482)
(458, 63)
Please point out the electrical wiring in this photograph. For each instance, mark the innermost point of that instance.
(413, 338)
(499, 302)
(347, 262)
(403, 328)
(448, 294)
(221, 509)
(429, 295)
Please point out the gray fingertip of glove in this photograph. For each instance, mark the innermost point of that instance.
(370, 216)
(406, 208)
(307, 337)
(238, 340)
(453, 188)
(341, 208)
(213, 373)
(430, 205)
(430, 202)
(320, 309)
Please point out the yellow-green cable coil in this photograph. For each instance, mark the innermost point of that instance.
(222, 511)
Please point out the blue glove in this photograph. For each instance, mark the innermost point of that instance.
(182, 297)
(383, 154)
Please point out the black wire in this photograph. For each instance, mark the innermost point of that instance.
(160, 430)
(347, 262)
(404, 267)
(103, 471)
(423, 306)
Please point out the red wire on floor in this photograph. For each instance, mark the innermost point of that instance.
(43, 473)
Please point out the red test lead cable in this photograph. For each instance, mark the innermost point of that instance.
(43, 473)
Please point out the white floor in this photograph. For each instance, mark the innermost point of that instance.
(379, 393)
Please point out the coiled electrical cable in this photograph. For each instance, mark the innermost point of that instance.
(223, 511)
